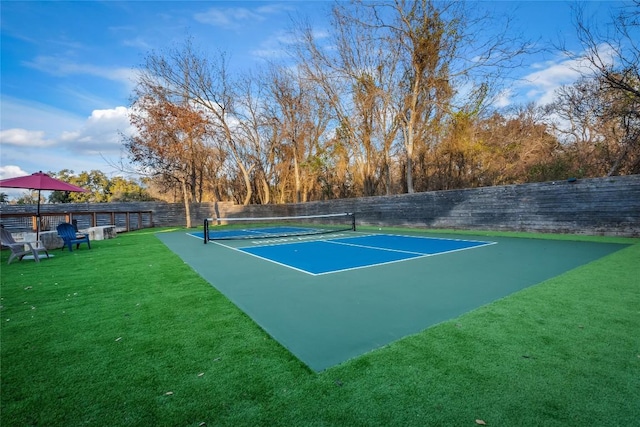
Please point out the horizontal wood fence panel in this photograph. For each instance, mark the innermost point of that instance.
(596, 206)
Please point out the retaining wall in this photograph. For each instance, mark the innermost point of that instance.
(597, 206)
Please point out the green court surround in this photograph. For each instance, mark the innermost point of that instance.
(326, 320)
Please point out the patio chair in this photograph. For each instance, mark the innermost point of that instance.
(68, 233)
(19, 249)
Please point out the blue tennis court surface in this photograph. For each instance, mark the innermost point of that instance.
(347, 253)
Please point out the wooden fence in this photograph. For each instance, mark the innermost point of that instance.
(124, 221)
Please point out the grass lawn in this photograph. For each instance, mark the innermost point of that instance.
(127, 334)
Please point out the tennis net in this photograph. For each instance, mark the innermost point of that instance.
(273, 227)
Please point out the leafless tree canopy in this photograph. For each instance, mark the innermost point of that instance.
(398, 98)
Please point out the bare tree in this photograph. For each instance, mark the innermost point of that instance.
(601, 124)
(253, 128)
(356, 76)
(169, 142)
(401, 68)
(392, 99)
(519, 147)
(449, 65)
(614, 51)
(301, 119)
(184, 73)
(613, 54)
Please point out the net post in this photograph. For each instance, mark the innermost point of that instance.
(206, 230)
(353, 220)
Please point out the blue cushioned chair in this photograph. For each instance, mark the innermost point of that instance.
(70, 236)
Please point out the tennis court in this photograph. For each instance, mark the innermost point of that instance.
(331, 297)
(342, 252)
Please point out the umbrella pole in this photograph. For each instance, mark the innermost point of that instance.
(38, 221)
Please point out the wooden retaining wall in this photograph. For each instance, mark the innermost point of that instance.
(597, 206)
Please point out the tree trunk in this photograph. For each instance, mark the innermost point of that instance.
(409, 148)
(187, 204)
(296, 173)
(615, 168)
(247, 184)
(267, 192)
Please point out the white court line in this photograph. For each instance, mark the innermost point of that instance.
(332, 271)
(418, 255)
(277, 263)
(375, 247)
(195, 237)
(411, 252)
(291, 240)
(371, 265)
(433, 238)
(259, 257)
(421, 255)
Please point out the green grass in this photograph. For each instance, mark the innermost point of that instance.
(127, 334)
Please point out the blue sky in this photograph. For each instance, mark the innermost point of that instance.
(67, 68)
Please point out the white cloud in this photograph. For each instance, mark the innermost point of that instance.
(100, 134)
(503, 99)
(23, 114)
(272, 9)
(60, 66)
(11, 171)
(28, 124)
(24, 138)
(540, 85)
(238, 18)
(230, 18)
(137, 42)
(273, 46)
(92, 143)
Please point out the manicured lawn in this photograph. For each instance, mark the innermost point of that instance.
(127, 334)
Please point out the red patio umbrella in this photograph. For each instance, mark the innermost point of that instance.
(39, 181)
